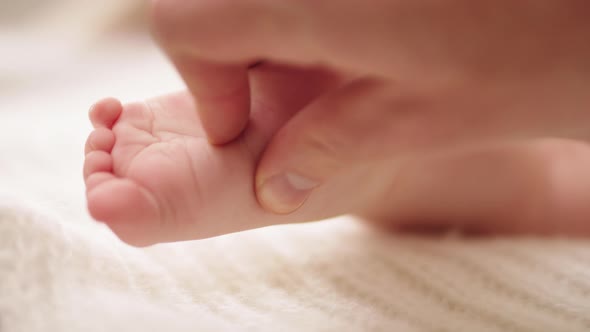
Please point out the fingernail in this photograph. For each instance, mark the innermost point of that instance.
(286, 192)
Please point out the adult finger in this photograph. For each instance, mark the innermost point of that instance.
(221, 90)
(533, 187)
(221, 93)
(427, 42)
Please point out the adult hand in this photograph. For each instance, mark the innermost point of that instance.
(425, 77)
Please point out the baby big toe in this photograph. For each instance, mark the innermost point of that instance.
(129, 210)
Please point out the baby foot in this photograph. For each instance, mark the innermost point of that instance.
(152, 176)
(150, 172)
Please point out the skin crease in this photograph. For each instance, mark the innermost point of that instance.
(446, 113)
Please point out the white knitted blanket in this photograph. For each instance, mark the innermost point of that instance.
(59, 271)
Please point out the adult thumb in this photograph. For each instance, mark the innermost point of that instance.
(331, 136)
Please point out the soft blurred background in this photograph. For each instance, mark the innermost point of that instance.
(57, 57)
(45, 41)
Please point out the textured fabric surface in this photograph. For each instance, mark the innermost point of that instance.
(59, 271)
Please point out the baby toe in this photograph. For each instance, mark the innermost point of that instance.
(97, 178)
(105, 113)
(101, 139)
(97, 161)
